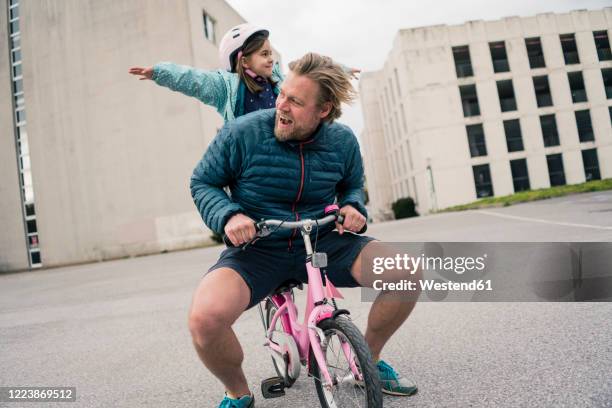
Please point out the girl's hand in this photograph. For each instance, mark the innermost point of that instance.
(354, 72)
(143, 72)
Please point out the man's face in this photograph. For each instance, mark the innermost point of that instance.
(297, 112)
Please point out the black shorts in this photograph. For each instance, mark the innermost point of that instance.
(264, 269)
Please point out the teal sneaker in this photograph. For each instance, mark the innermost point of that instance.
(392, 383)
(247, 401)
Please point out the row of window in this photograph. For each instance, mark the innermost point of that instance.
(21, 137)
(520, 175)
(507, 99)
(533, 46)
(514, 137)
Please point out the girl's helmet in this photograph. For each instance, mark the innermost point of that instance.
(233, 41)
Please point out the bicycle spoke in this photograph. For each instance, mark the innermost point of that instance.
(339, 368)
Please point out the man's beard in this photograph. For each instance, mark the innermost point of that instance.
(293, 133)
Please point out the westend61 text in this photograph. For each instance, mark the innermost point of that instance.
(475, 285)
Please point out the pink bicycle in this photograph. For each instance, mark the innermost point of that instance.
(328, 343)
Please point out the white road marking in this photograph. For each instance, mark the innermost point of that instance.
(566, 224)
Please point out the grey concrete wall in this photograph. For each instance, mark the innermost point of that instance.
(111, 155)
(13, 251)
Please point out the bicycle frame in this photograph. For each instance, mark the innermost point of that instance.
(308, 335)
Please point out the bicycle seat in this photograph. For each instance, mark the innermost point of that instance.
(288, 285)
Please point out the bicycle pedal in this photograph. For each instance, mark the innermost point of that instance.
(273, 387)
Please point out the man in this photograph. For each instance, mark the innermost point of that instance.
(286, 163)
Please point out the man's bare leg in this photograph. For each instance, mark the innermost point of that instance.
(387, 312)
(219, 300)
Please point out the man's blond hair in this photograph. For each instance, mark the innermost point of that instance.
(334, 83)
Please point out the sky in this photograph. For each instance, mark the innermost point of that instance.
(360, 33)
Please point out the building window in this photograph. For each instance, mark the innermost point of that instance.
(13, 13)
(15, 41)
(17, 71)
(35, 258)
(591, 165)
(499, 57)
(14, 26)
(31, 227)
(549, 130)
(610, 114)
(520, 176)
(555, 169)
(476, 140)
(482, 181)
(409, 155)
(397, 82)
(387, 98)
(542, 91)
(505, 91)
(606, 74)
(29, 209)
(535, 53)
(570, 51)
(514, 138)
(463, 63)
(209, 27)
(576, 83)
(469, 100)
(585, 128)
(16, 55)
(20, 117)
(602, 43)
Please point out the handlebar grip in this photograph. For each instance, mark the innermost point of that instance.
(361, 231)
(227, 241)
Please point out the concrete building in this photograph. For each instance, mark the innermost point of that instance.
(100, 166)
(489, 108)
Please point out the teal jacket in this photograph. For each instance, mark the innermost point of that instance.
(272, 179)
(219, 88)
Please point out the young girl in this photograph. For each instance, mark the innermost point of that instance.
(250, 80)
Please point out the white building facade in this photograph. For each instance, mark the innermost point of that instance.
(99, 167)
(489, 108)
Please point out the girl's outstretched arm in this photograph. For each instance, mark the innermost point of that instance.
(210, 87)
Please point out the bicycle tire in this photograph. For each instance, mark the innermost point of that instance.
(371, 381)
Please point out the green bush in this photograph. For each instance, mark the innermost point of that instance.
(404, 208)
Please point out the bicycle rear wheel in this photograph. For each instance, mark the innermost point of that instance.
(346, 390)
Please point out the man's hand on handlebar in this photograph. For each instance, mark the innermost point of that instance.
(354, 221)
(240, 229)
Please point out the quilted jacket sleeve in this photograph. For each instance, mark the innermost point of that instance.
(207, 86)
(219, 167)
(350, 188)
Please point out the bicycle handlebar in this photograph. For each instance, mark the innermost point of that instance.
(262, 226)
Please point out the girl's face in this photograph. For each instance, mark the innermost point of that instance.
(261, 61)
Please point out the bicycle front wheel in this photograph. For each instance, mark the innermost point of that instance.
(344, 346)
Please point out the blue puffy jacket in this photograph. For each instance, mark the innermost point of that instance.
(272, 179)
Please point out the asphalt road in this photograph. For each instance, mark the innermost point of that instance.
(117, 330)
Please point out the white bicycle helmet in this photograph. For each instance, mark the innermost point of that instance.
(233, 41)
